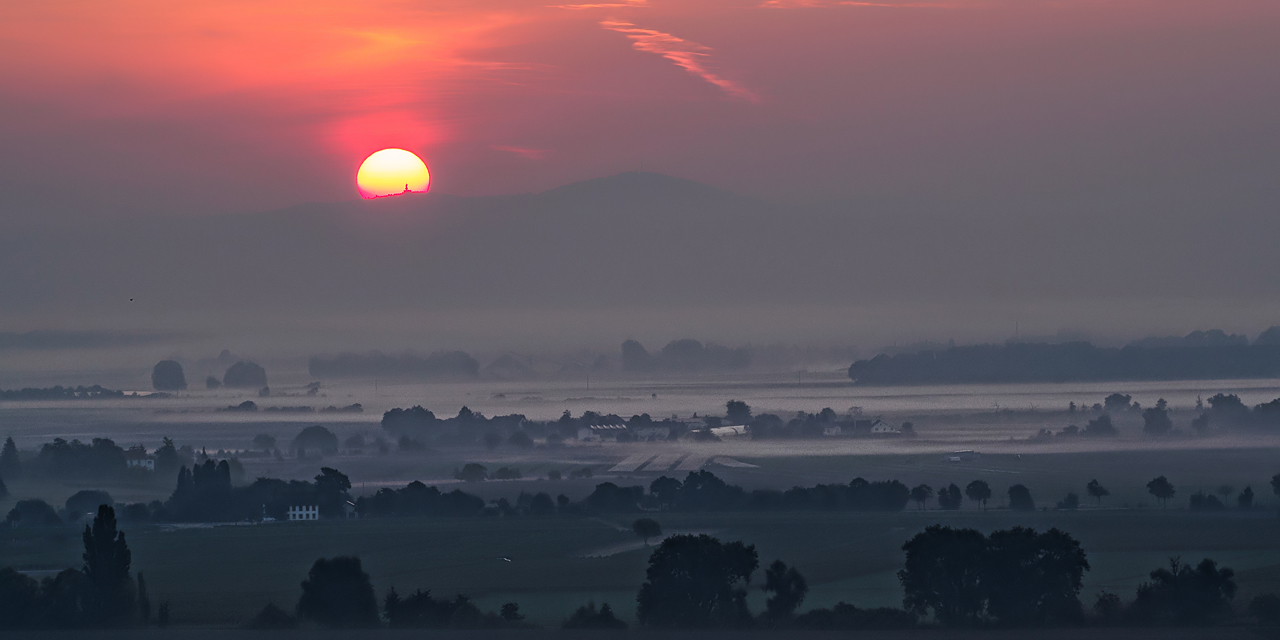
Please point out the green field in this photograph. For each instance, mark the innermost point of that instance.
(220, 576)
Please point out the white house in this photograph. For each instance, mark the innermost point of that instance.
(304, 512)
(880, 427)
(141, 463)
(732, 431)
(601, 432)
(832, 430)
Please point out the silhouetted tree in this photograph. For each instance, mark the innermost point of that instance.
(167, 376)
(10, 462)
(1201, 501)
(316, 437)
(978, 491)
(635, 358)
(646, 528)
(696, 582)
(737, 412)
(1185, 595)
(19, 596)
(1069, 503)
(1033, 578)
(1100, 426)
(1266, 608)
(788, 589)
(4, 490)
(162, 615)
(1020, 498)
(245, 375)
(338, 593)
(942, 574)
(510, 612)
(212, 383)
(86, 502)
(667, 490)
(1200, 424)
(1116, 402)
(106, 564)
(587, 617)
(264, 442)
(32, 513)
(1155, 420)
(949, 498)
(144, 601)
(1097, 491)
(472, 472)
(921, 494)
(1245, 500)
(272, 618)
(1162, 490)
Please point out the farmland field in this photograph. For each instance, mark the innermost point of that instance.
(221, 575)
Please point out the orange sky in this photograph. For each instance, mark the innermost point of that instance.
(236, 105)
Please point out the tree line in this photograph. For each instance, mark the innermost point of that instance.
(1018, 577)
(1068, 362)
(206, 493)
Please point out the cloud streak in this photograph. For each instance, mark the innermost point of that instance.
(523, 152)
(687, 55)
(625, 4)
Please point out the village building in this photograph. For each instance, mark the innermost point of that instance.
(304, 512)
(601, 433)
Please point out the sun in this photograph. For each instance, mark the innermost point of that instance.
(391, 172)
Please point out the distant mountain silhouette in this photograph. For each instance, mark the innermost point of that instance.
(633, 240)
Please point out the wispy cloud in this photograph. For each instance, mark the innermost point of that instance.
(531, 154)
(687, 55)
(625, 4)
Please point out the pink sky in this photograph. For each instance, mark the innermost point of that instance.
(246, 105)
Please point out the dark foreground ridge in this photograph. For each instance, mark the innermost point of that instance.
(1223, 633)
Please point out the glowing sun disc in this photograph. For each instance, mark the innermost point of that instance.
(392, 172)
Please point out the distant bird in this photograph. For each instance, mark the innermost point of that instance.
(505, 559)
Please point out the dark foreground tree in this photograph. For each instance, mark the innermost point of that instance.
(943, 574)
(788, 589)
(107, 560)
(1033, 578)
(337, 593)
(1185, 595)
(1266, 608)
(1162, 489)
(646, 528)
(10, 462)
(421, 611)
(18, 597)
(696, 582)
(587, 617)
